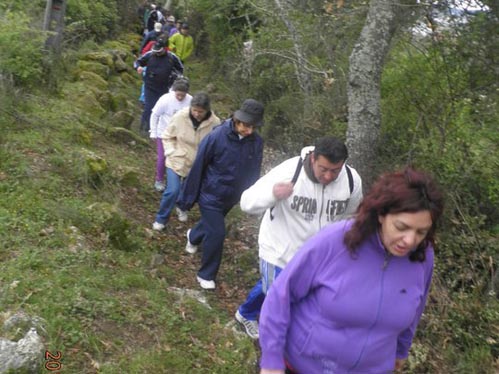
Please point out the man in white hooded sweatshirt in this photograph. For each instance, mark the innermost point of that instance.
(299, 197)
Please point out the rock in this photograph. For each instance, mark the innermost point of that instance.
(93, 79)
(104, 58)
(120, 65)
(86, 98)
(24, 355)
(95, 67)
(89, 103)
(22, 321)
(128, 79)
(119, 102)
(123, 119)
(183, 293)
(157, 260)
(120, 134)
(96, 167)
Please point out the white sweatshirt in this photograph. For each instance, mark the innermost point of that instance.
(291, 221)
(163, 111)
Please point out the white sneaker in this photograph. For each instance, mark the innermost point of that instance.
(159, 186)
(189, 247)
(158, 226)
(206, 284)
(250, 326)
(182, 215)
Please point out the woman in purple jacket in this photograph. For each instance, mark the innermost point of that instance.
(351, 298)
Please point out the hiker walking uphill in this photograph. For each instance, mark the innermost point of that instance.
(182, 43)
(299, 197)
(351, 299)
(160, 65)
(228, 161)
(181, 139)
(151, 36)
(167, 105)
(176, 28)
(154, 16)
(169, 25)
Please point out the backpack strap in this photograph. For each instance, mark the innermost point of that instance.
(297, 171)
(350, 178)
(293, 181)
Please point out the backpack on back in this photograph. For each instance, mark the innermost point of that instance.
(176, 73)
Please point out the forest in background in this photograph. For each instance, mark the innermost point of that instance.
(439, 111)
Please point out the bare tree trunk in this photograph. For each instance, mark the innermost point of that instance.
(302, 74)
(168, 5)
(54, 21)
(363, 90)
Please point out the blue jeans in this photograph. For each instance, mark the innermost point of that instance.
(169, 198)
(210, 233)
(250, 309)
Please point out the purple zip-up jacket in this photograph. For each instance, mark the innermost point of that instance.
(330, 312)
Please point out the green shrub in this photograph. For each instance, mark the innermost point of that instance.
(91, 20)
(21, 49)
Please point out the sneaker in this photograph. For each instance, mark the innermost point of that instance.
(159, 186)
(189, 247)
(251, 327)
(158, 226)
(182, 215)
(206, 284)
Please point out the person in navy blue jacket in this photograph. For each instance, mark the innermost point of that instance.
(160, 64)
(227, 162)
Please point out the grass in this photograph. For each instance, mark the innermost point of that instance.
(77, 251)
(111, 295)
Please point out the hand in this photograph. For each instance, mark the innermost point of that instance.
(399, 363)
(271, 371)
(140, 69)
(282, 190)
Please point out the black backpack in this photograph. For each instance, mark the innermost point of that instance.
(175, 73)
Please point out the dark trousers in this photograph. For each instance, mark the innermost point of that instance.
(210, 233)
(150, 99)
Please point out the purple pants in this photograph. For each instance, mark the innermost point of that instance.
(160, 162)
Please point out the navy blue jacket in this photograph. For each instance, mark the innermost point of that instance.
(224, 167)
(159, 69)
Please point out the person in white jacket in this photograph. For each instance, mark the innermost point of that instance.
(170, 103)
(298, 198)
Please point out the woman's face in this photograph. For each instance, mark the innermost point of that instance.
(198, 113)
(179, 95)
(403, 232)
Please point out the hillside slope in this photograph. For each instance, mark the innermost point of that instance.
(77, 205)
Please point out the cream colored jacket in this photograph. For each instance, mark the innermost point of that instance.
(181, 141)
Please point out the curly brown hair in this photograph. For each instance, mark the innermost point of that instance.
(408, 190)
